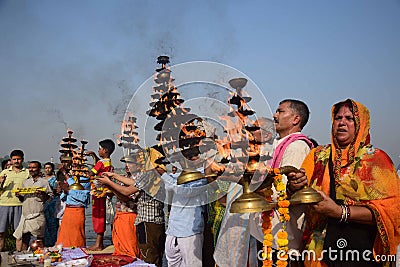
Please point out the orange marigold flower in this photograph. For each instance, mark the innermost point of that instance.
(280, 187)
(282, 242)
(284, 203)
(266, 224)
(284, 248)
(280, 263)
(267, 243)
(286, 217)
(284, 257)
(266, 231)
(282, 235)
(268, 237)
(283, 210)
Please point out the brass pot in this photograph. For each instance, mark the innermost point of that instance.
(76, 186)
(189, 175)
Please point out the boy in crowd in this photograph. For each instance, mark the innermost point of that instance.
(72, 227)
(106, 148)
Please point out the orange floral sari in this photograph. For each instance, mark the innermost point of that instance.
(363, 176)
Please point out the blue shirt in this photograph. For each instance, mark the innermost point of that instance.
(77, 197)
(185, 219)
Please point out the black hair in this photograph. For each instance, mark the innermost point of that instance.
(4, 163)
(346, 103)
(108, 144)
(37, 163)
(51, 165)
(300, 108)
(313, 141)
(17, 152)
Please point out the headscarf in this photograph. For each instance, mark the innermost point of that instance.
(364, 176)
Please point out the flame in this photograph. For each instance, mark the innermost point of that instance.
(233, 128)
(252, 166)
(193, 133)
(223, 147)
(242, 103)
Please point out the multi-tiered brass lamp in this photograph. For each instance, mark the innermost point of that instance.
(181, 139)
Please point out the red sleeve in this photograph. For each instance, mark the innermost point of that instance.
(97, 167)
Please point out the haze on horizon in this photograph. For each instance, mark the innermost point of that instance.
(77, 64)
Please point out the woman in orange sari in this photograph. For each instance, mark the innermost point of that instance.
(358, 221)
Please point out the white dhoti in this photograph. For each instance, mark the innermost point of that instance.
(32, 223)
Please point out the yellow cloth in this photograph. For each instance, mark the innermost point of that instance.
(13, 181)
(150, 156)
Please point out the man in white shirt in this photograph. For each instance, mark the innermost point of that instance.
(290, 150)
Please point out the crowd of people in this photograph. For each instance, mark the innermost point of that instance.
(359, 185)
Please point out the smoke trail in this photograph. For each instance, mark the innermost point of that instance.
(119, 106)
(58, 116)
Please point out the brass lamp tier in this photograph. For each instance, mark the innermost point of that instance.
(249, 201)
(306, 195)
(76, 186)
(238, 83)
(190, 175)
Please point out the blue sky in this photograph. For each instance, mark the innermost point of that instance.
(78, 63)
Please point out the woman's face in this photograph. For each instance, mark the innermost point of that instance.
(344, 128)
(48, 169)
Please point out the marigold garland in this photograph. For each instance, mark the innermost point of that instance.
(282, 235)
(98, 191)
(267, 231)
